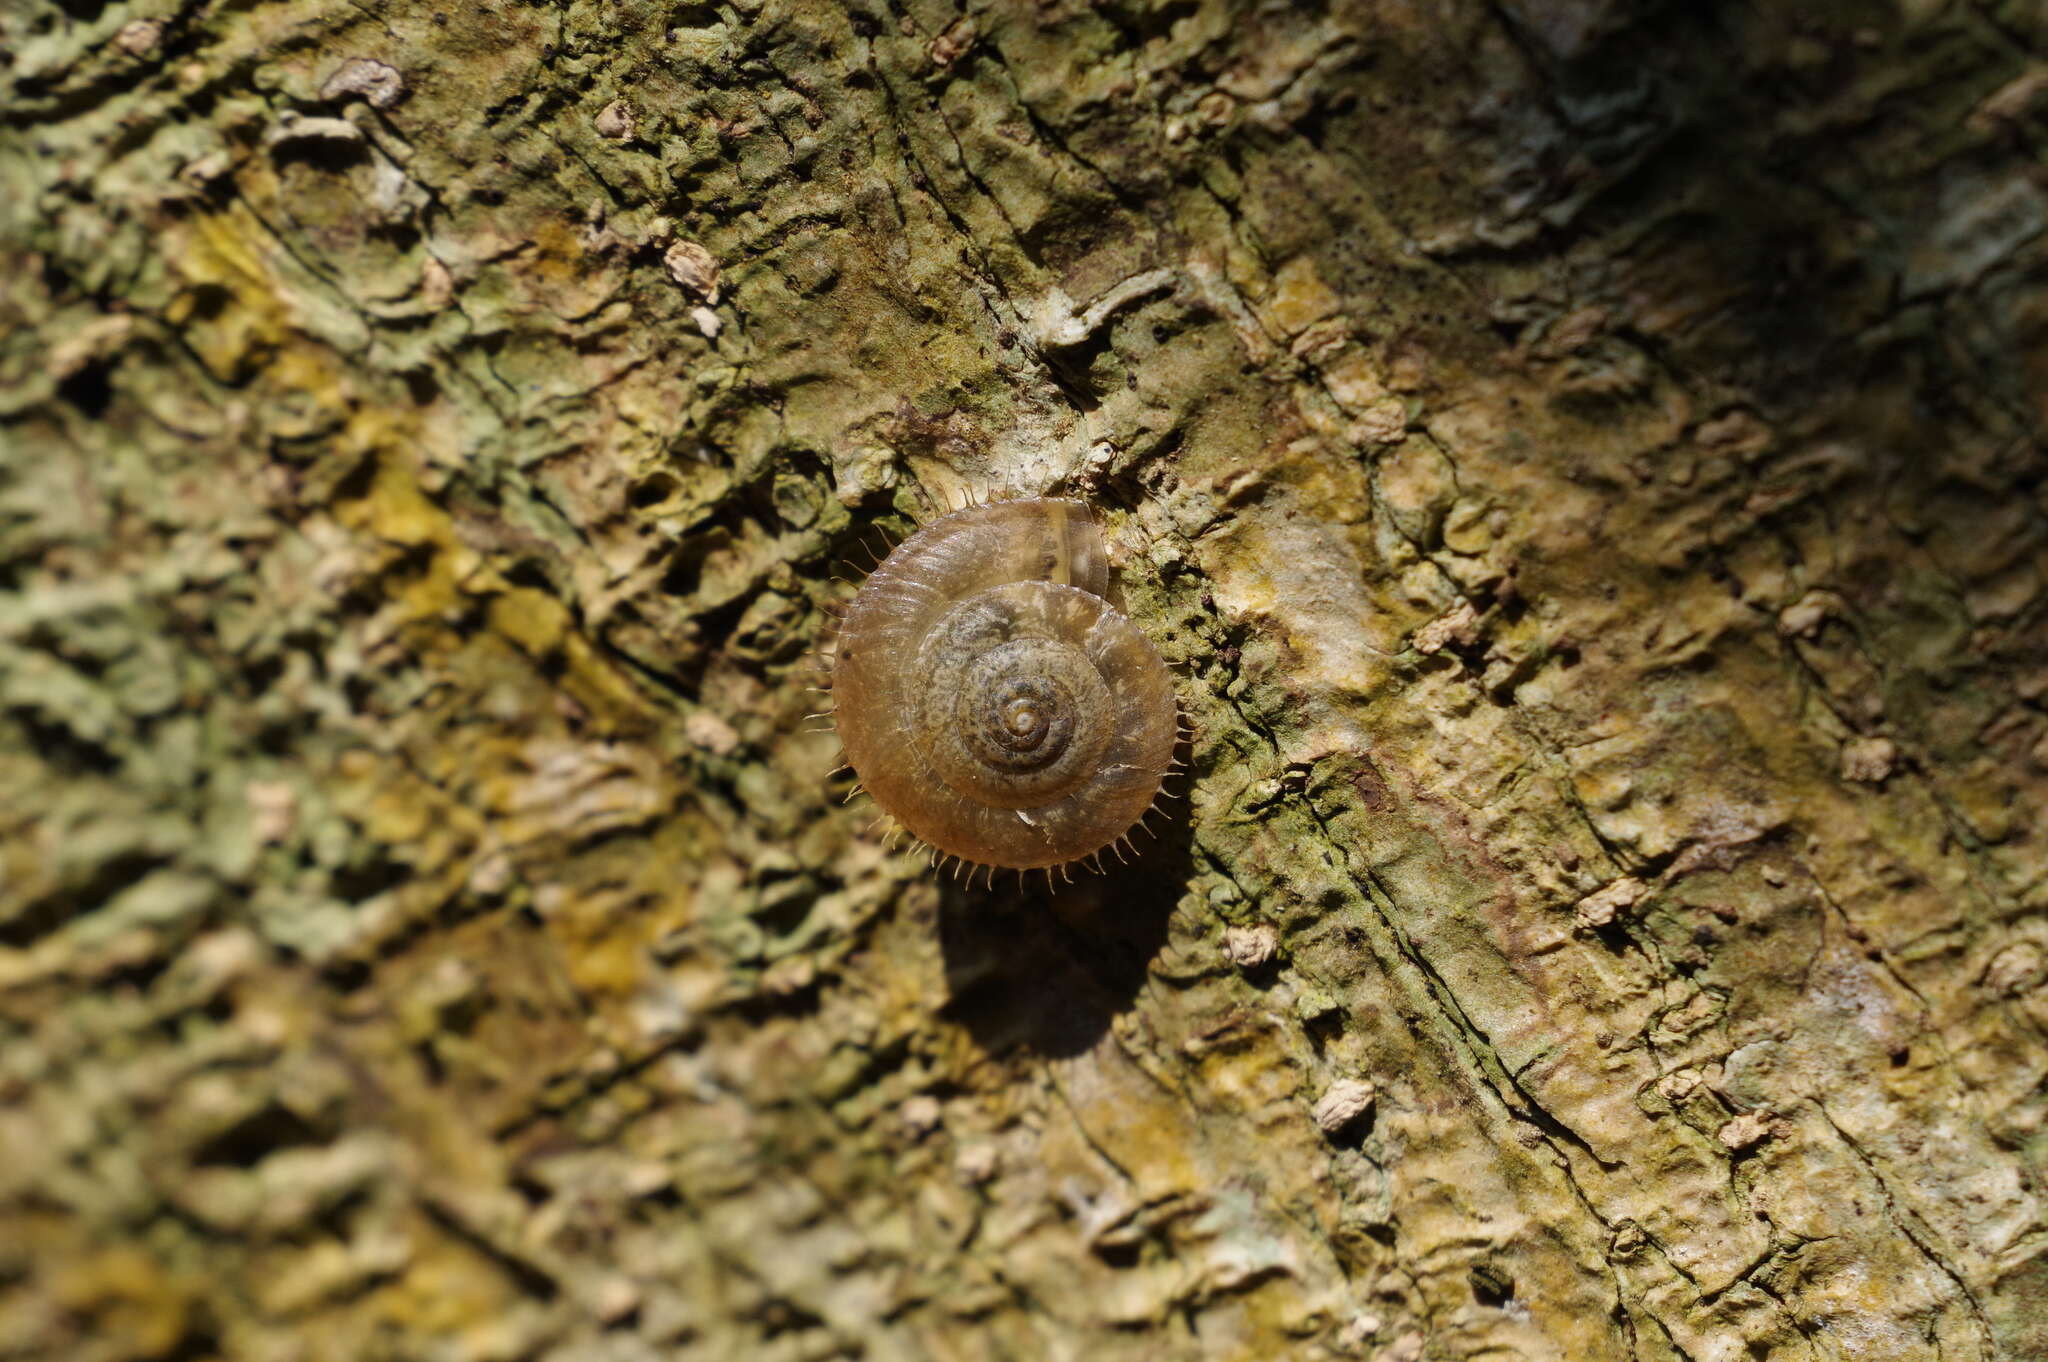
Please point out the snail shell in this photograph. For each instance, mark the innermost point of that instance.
(991, 700)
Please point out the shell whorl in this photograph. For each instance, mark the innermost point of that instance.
(990, 698)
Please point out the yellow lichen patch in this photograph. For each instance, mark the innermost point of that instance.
(1300, 297)
(534, 620)
(397, 809)
(133, 1302)
(231, 311)
(604, 934)
(456, 1293)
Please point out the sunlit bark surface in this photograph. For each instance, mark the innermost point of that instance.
(1581, 459)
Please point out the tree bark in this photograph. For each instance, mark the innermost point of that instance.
(1582, 459)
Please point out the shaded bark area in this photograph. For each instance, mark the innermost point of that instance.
(1583, 461)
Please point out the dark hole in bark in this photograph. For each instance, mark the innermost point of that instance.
(1491, 1286)
(263, 1132)
(88, 389)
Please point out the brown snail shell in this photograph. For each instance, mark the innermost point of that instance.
(991, 700)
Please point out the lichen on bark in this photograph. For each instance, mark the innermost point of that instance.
(1582, 459)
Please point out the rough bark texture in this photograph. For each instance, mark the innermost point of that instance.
(1581, 458)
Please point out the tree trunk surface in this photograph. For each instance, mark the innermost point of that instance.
(1581, 460)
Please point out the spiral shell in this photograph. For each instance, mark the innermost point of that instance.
(991, 700)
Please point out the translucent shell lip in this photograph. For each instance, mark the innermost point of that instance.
(992, 700)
